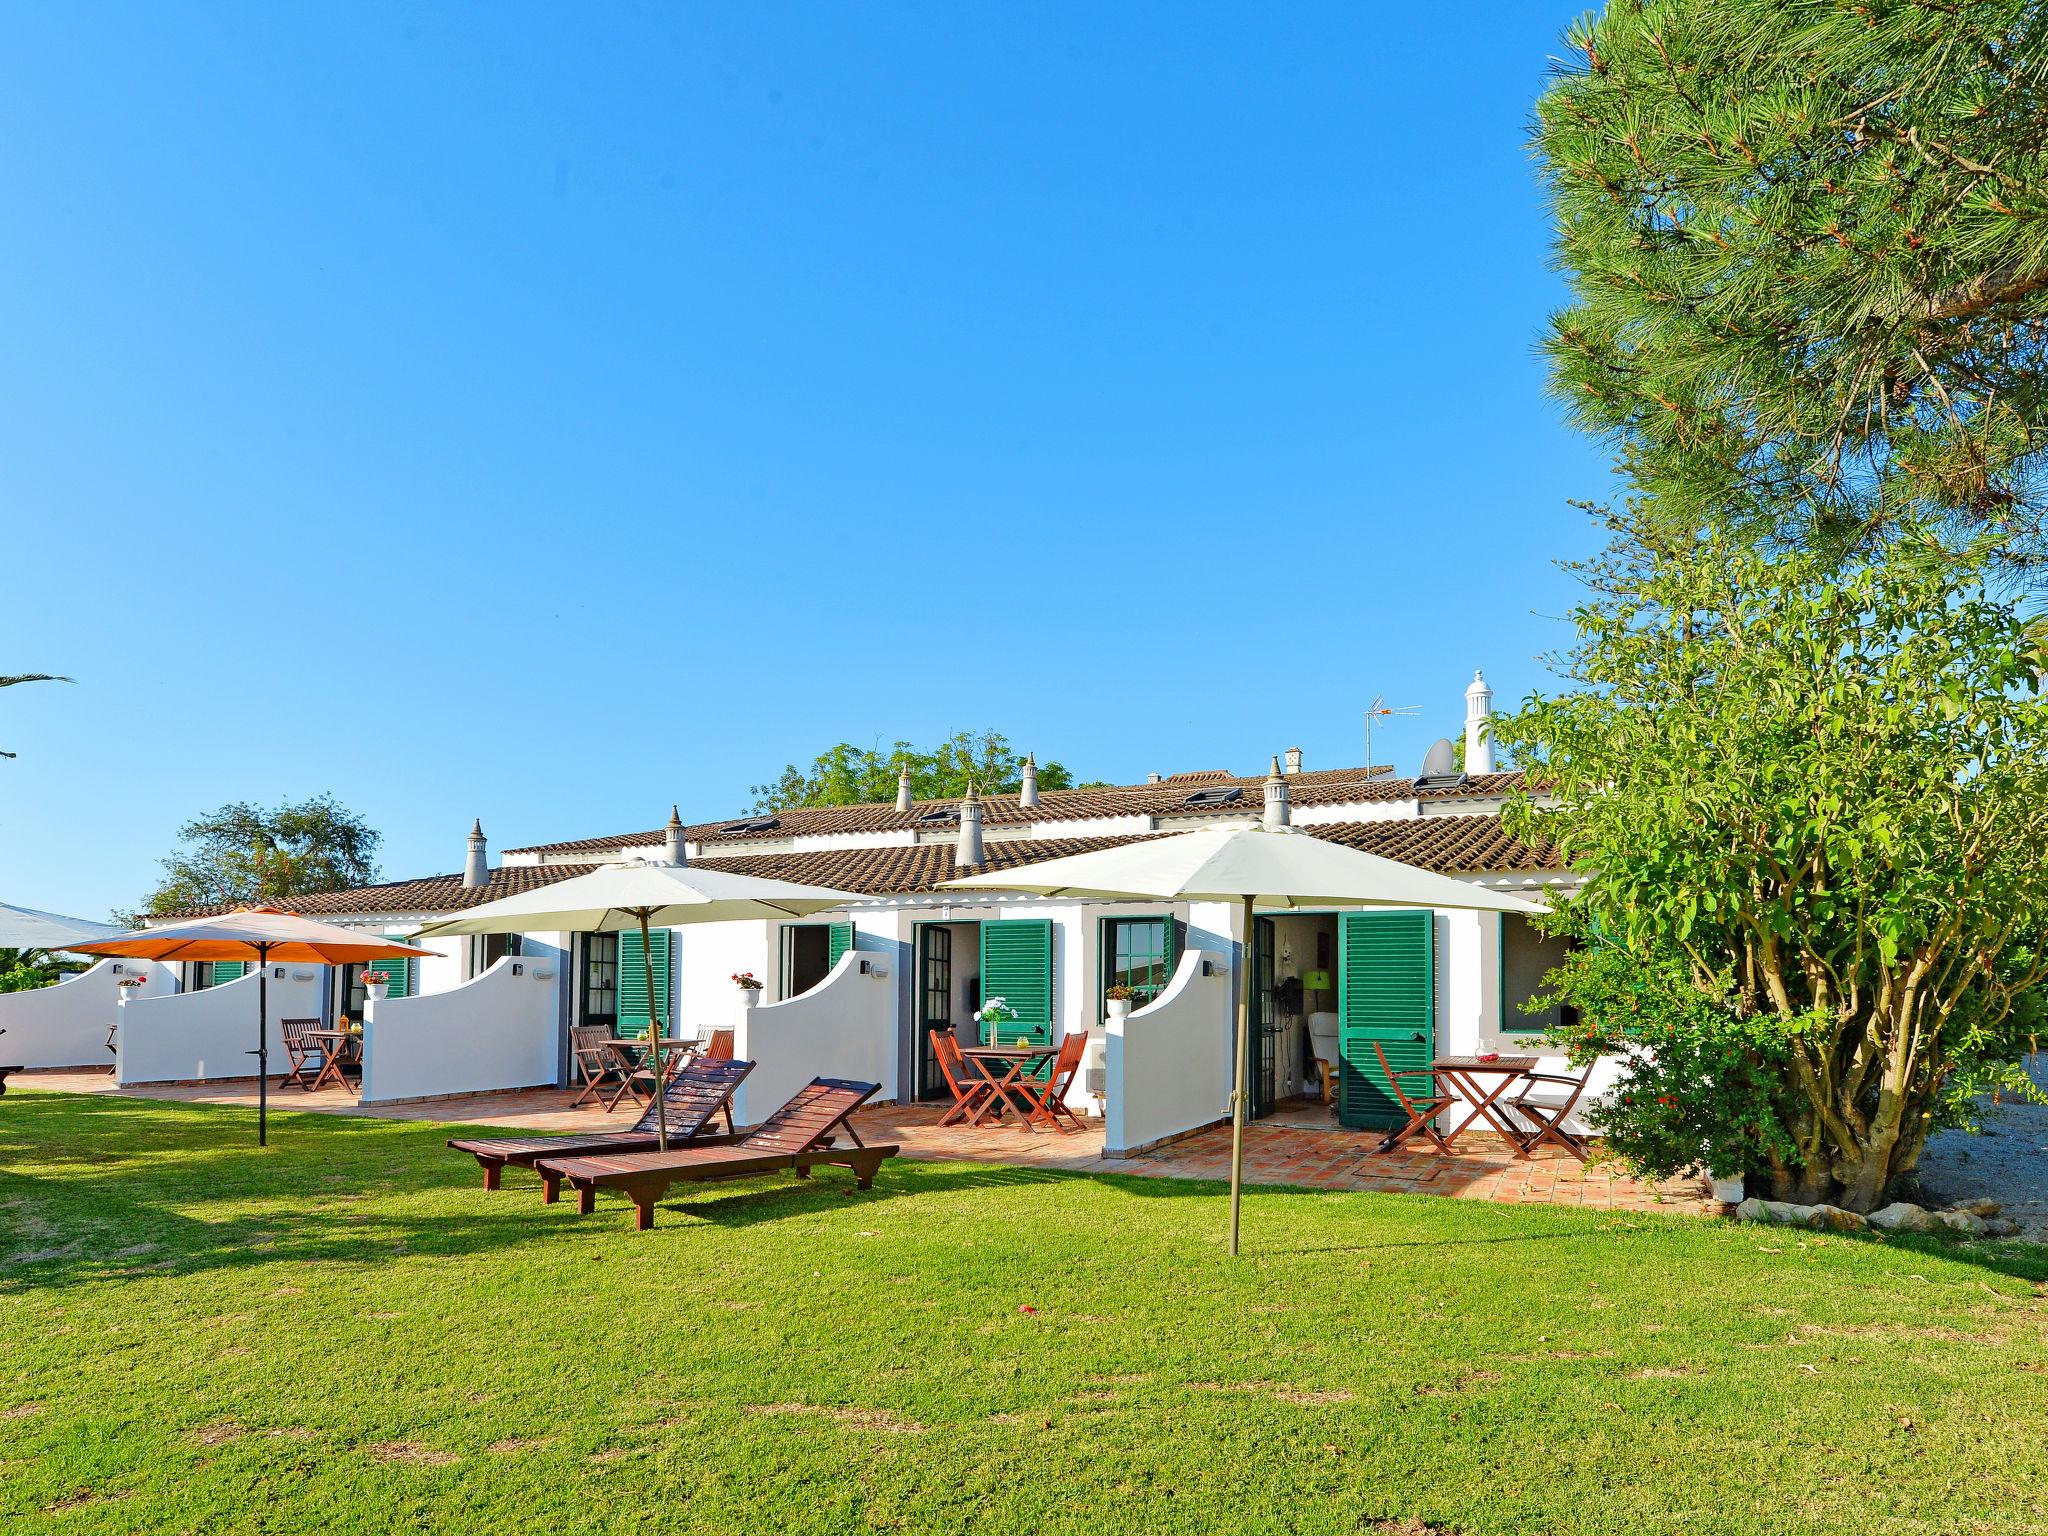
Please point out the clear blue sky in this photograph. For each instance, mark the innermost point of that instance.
(626, 400)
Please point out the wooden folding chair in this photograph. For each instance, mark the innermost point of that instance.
(1420, 1108)
(970, 1087)
(598, 1068)
(717, 1048)
(1049, 1098)
(1547, 1109)
(307, 1057)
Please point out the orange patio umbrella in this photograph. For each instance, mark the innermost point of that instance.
(262, 934)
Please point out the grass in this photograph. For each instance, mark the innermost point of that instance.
(346, 1333)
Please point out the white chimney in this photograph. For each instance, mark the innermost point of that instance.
(903, 790)
(968, 852)
(672, 839)
(1027, 794)
(476, 869)
(1278, 813)
(1478, 735)
(1151, 778)
(1293, 761)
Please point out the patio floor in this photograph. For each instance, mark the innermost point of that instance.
(1299, 1146)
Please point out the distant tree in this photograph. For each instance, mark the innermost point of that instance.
(850, 775)
(1807, 245)
(242, 854)
(29, 677)
(23, 970)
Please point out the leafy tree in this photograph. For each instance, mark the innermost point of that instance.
(29, 677)
(241, 854)
(23, 970)
(850, 775)
(1818, 793)
(1807, 242)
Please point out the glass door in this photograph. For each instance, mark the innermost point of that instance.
(600, 981)
(934, 1003)
(1266, 1024)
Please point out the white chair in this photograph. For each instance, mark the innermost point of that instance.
(1322, 1043)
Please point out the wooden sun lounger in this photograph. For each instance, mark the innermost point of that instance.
(795, 1139)
(697, 1095)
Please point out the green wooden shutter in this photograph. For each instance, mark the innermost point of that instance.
(1176, 942)
(228, 970)
(1016, 965)
(633, 1013)
(837, 943)
(1386, 992)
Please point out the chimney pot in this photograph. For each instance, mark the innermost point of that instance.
(1278, 812)
(672, 838)
(1151, 778)
(968, 853)
(476, 869)
(1027, 793)
(1293, 760)
(1478, 726)
(903, 790)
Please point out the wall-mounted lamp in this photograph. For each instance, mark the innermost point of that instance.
(1210, 968)
(873, 968)
(543, 973)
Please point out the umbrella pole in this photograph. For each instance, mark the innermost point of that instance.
(1238, 1092)
(262, 1045)
(654, 1024)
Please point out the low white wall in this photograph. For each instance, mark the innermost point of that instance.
(843, 1027)
(1167, 1066)
(66, 1025)
(499, 1030)
(199, 1035)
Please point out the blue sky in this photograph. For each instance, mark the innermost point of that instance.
(547, 413)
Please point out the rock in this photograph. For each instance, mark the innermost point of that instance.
(1903, 1216)
(1832, 1218)
(1751, 1209)
(1785, 1213)
(1963, 1222)
(2001, 1226)
(1984, 1208)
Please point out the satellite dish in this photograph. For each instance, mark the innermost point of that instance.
(1440, 761)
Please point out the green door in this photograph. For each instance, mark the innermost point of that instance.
(633, 1011)
(1264, 1021)
(1016, 965)
(1386, 993)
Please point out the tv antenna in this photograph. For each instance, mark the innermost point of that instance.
(1382, 710)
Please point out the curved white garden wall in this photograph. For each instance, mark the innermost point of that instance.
(500, 1030)
(1167, 1066)
(199, 1035)
(843, 1027)
(66, 1025)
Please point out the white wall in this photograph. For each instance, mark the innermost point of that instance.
(1167, 1066)
(445, 968)
(843, 1027)
(195, 1036)
(66, 1025)
(501, 1030)
(704, 957)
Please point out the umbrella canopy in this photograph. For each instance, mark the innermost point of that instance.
(619, 896)
(1269, 866)
(26, 928)
(262, 934)
(1260, 866)
(249, 933)
(643, 896)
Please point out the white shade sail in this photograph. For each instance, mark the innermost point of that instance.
(1272, 867)
(26, 928)
(621, 896)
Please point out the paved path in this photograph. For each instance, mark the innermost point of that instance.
(1302, 1148)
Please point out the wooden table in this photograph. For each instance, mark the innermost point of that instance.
(1020, 1058)
(633, 1051)
(339, 1049)
(1466, 1075)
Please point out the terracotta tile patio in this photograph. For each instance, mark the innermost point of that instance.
(1299, 1147)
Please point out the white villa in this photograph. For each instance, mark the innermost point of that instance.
(858, 993)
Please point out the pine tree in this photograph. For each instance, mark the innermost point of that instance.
(1807, 242)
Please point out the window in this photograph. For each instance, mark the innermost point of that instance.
(601, 979)
(809, 951)
(1137, 953)
(487, 949)
(938, 976)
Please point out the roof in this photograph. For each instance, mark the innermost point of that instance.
(1476, 844)
(1331, 786)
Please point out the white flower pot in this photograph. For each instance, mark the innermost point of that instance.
(1727, 1191)
(1118, 1009)
(750, 997)
(376, 991)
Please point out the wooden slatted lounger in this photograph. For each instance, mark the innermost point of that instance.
(796, 1138)
(697, 1096)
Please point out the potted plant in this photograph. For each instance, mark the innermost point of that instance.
(750, 987)
(1117, 1000)
(376, 985)
(994, 1014)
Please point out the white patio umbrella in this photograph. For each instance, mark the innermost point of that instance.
(644, 895)
(26, 928)
(1260, 866)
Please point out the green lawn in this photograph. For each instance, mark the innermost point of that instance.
(346, 1333)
